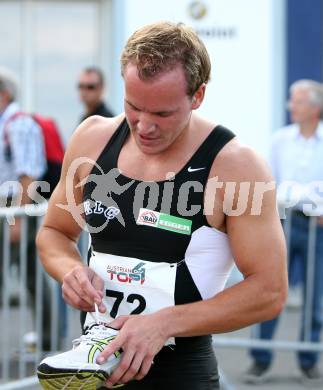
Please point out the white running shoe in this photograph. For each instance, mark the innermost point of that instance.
(77, 368)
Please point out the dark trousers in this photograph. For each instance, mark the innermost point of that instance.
(298, 250)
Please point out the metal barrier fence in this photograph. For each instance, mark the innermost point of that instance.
(286, 345)
(34, 319)
(23, 311)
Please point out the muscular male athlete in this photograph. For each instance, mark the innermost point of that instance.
(163, 234)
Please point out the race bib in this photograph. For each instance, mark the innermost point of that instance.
(133, 286)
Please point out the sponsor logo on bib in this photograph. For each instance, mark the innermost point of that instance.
(127, 275)
(164, 221)
(148, 218)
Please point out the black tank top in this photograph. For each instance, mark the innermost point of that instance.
(177, 197)
(112, 203)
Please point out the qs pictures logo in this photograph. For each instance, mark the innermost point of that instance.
(197, 9)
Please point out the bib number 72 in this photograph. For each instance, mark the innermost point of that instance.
(131, 298)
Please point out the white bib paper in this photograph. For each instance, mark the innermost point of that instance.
(133, 286)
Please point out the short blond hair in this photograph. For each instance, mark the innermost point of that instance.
(160, 47)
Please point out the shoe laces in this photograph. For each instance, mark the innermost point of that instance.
(97, 329)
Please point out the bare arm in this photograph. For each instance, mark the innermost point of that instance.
(57, 238)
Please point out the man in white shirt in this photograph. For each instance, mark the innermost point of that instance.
(22, 161)
(22, 157)
(297, 163)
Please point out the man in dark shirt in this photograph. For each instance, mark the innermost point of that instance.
(91, 88)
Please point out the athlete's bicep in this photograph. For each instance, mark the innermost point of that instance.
(65, 212)
(252, 222)
(257, 244)
(65, 208)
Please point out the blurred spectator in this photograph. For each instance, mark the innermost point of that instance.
(22, 161)
(91, 87)
(297, 156)
(22, 156)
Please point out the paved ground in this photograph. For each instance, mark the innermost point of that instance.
(284, 374)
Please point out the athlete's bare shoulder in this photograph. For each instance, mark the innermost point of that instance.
(92, 135)
(237, 162)
(87, 143)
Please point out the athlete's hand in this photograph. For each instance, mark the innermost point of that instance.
(82, 287)
(141, 337)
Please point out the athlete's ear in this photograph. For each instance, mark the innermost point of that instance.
(198, 96)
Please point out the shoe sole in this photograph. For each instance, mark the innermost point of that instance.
(52, 379)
